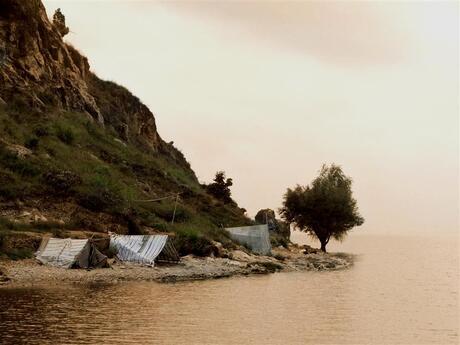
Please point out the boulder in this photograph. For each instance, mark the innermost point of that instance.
(239, 255)
(310, 250)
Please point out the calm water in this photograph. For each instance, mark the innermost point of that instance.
(400, 291)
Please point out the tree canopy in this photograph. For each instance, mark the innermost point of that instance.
(220, 188)
(325, 208)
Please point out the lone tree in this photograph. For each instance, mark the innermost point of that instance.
(324, 209)
(220, 188)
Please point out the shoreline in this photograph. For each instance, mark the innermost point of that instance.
(29, 272)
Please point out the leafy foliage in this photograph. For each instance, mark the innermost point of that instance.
(220, 188)
(324, 209)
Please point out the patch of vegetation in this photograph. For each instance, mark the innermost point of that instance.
(19, 253)
(220, 188)
(278, 240)
(65, 134)
(32, 143)
(77, 161)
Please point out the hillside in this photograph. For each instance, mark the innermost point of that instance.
(78, 153)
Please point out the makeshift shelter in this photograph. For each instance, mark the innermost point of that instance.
(70, 253)
(144, 249)
(256, 237)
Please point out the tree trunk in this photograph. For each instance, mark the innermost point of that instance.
(323, 246)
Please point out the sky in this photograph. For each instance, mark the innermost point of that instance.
(269, 91)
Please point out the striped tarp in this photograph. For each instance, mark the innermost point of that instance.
(256, 237)
(67, 253)
(142, 249)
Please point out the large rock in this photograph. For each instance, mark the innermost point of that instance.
(38, 67)
(268, 216)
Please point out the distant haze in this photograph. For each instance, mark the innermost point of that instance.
(268, 92)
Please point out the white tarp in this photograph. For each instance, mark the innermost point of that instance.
(256, 237)
(142, 249)
(67, 253)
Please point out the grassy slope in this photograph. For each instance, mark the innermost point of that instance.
(78, 162)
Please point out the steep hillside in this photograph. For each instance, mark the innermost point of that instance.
(80, 153)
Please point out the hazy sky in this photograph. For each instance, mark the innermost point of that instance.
(269, 91)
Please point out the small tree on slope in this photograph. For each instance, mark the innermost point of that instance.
(220, 188)
(324, 209)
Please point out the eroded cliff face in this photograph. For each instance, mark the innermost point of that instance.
(37, 64)
(38, 67)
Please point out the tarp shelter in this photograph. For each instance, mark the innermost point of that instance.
(70, 253)
(256, 237)
(144, 249)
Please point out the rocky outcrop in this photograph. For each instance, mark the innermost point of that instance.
(268, 216)
(39, 70)
(37, 66)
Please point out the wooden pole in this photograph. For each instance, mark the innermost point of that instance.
(175, 207)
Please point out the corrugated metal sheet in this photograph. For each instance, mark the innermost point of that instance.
(142, 249)
(61, 252)
(256, 237)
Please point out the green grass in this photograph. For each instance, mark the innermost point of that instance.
(76, 160)
(18, 253)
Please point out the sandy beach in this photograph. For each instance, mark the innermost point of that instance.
(30, 272)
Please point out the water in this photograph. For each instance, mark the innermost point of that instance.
(400, 291)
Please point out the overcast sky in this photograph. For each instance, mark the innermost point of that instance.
(268, 92)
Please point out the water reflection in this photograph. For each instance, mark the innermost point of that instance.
(394, 294)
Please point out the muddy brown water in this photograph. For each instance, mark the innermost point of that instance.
(400, 291)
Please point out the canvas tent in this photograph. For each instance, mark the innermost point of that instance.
(70, 253)
(256, 237)
(144, 249)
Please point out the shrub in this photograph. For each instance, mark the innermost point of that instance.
(65, 134)
(190, 241)
(23, 167)
(101, 192)
(19, 253)
(220, 188)
(62, 181)
(32, 143)
(278, 240)
(166, 211)
(99, 199)
(41, 131)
